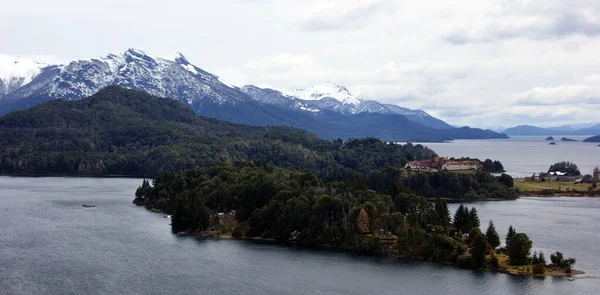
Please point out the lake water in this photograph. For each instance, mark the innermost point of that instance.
(524, 155)
(50, 244)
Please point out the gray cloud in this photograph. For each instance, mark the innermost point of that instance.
(534, 23)
(354, 19)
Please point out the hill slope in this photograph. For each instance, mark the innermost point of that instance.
(125, 132)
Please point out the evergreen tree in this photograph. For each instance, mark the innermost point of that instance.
(473, 219)
(441, 208)
(480, 246)
(519, 249)
(460, 218)
(511, 233)
(492, 235)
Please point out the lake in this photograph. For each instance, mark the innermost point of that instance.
(50, 244)
(524, 155)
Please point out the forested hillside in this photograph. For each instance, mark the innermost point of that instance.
(125, 132)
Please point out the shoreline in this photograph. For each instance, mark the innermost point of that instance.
(515, 271)
(532, 194)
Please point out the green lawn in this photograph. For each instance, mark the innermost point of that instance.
(525, 185)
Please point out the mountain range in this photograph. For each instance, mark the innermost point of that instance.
(528, 130)
(329, 110)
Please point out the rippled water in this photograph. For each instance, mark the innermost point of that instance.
(524, 155)
(50, 244)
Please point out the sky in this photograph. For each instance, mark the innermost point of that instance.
(481, 63)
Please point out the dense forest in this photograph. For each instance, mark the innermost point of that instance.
(125, 132)
(291, 206)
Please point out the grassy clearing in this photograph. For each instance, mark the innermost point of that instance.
(503, 261)
(529, 186)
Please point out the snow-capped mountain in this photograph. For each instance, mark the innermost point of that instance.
(330, 110)
(176, 78)
(16, 72)
(337, 98)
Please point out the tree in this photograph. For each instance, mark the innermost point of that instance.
(506, 179)
(480, 246)
(460, 218)
(492, 235)
(362, 222)
(519, 249)
(511, 233)
(558, 260)
(441, 208)
(566, 167)
(494, 260)
(541, 258)
(473, 219)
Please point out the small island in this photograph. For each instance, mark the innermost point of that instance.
(592, 139)
(567, 139)
(549, 138)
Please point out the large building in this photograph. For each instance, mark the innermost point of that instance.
(443, 164)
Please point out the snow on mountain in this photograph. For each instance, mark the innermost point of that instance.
(24, 83)
(327, 90)
(134, 69)
(16, 72)
(337, 98)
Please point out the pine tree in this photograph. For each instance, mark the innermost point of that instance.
(441, 208)
(480, 247)
(511, 233)
(473, 219)
(460, 218)
(492, 235)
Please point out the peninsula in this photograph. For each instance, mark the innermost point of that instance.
(254, 200)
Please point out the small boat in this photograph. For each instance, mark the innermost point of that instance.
(167, 216)
(571, 279)
(88, 206)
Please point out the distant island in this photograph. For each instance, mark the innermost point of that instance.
(528, 130)
(592, 139)
(567, 139)
(552, 143)
(549, 138)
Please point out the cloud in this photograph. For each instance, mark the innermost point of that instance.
(534, 20)
(560, 95)
(342, 15)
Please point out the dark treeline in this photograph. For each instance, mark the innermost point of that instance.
(475, 185)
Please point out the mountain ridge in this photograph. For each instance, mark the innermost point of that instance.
(207, 96)
(529, 130)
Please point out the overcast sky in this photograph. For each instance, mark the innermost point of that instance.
(480, 63)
